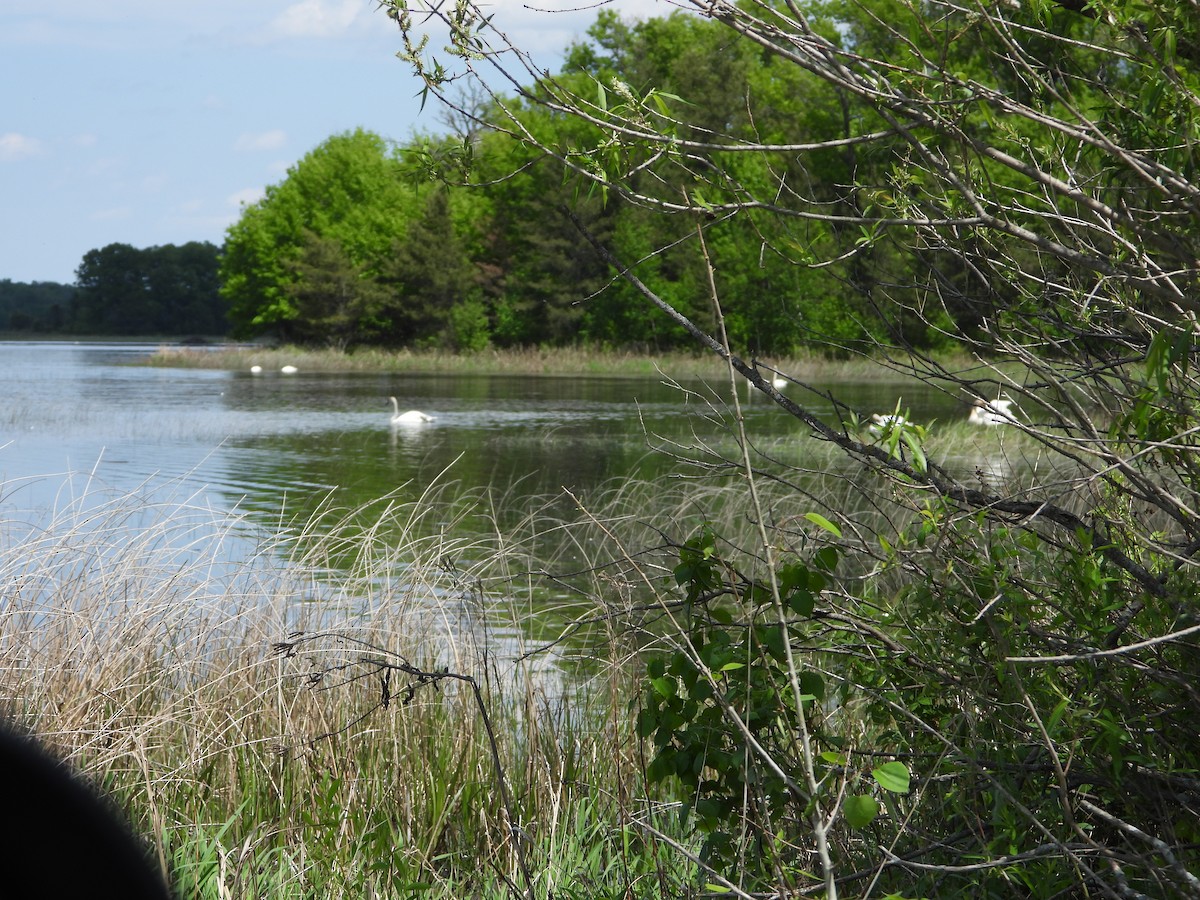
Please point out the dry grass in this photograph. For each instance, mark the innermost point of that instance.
(529, 361)
(236, 702)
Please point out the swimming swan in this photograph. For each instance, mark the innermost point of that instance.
(992, 412)
(412, 417)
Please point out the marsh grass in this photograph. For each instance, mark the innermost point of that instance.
(236, 706)
(518, 361)
(273, 709)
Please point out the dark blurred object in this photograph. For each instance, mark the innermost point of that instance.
(61, 838)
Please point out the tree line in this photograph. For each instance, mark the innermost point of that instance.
(125, 290)
(477, 237)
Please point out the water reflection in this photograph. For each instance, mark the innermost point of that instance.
(260, 442)
(82, 424)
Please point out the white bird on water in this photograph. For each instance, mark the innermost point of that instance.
(412, 417)
(288, 370)
(886, 422)
(992, 412)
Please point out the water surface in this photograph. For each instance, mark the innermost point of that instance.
(240, 437)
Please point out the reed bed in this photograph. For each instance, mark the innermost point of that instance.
(559, 361)
(323, 713)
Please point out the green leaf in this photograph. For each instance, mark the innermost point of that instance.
(802, 603)
(730, 666)
(918, 454)
(822, 522)
(1056, 716)
(772, 637)
(812, 683)
(792, 576)
(860, 810)
(826, 558)
(893, 777)
(665, 686)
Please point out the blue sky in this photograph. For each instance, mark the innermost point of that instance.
(150, 122)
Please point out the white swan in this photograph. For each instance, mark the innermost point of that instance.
(412, 417)
(256, 370)
(779, 383)
(992, 412)
(881, 423)
(288, 370)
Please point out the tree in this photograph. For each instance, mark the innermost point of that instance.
(336, 302)
(157, 290)
(1021, 177)
(183, 282)
(351, 189)
(429, 273)
(36, 306)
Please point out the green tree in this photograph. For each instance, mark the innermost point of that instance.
(184, 285)
(995, 696)
(36, 306)
(429, 274)
(352, 190)
(336, 302)
(156, 290)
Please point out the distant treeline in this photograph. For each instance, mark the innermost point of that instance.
(124, 290)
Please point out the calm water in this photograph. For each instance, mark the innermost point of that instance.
(94, 440)
(253, 441)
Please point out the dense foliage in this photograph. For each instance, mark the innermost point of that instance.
(127, 291)
(167, 290)
(347, 248)
(38, 306)
(979, 680)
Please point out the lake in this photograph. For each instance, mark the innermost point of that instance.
(91, 407)
(79, 419)
(201, 470)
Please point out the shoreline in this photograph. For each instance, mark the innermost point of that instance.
(559, 362)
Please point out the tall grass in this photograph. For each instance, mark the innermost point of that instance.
(401, 699)
(236, 703)
(516, 361)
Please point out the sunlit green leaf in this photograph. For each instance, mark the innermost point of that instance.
(892, 776)
(860, 810)
(822, 522)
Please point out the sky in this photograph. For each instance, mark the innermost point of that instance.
(151, 122)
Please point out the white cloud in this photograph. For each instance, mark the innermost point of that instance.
(317, 18)
(265, 140)
(15, 147)
(245, 197)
